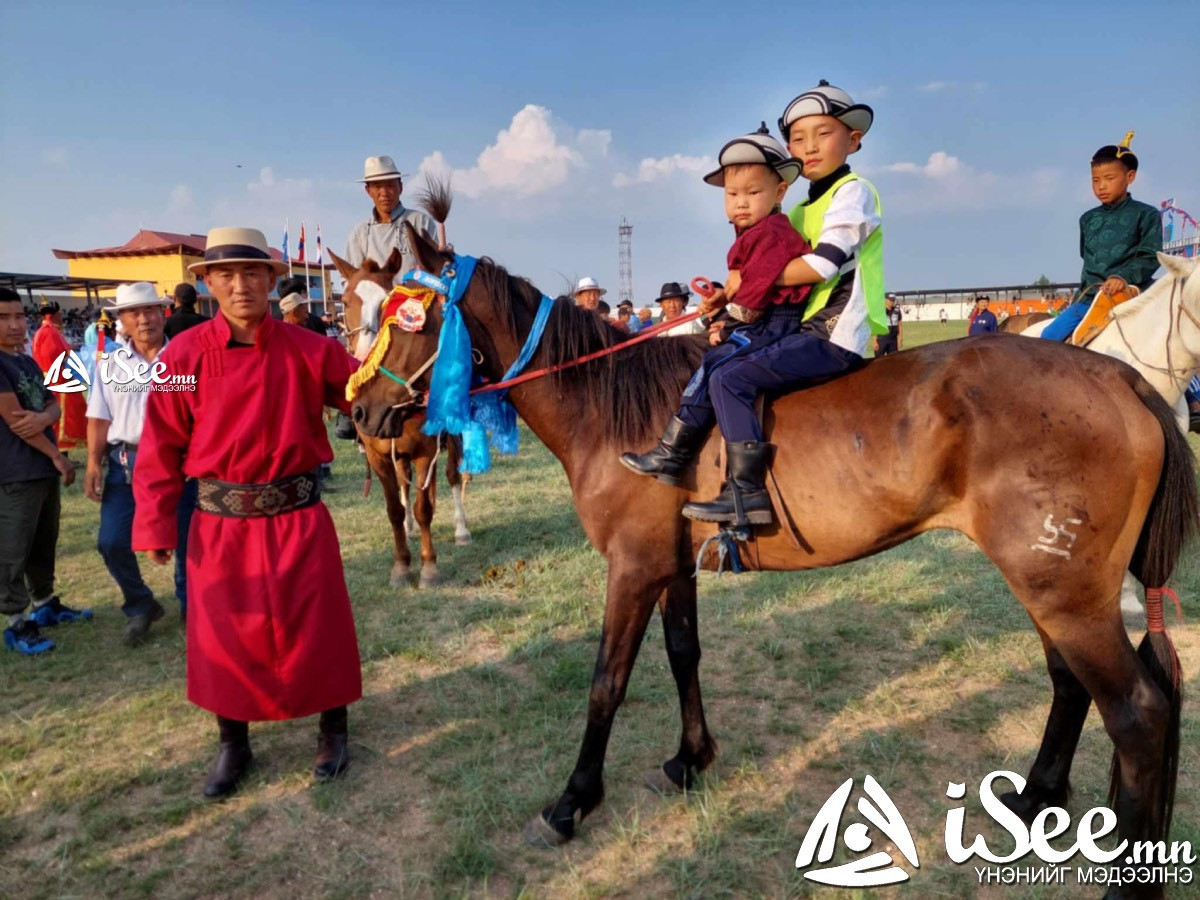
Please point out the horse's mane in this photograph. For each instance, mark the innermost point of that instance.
(635, 389)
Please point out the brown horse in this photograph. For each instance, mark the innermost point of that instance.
(394, 452)
(916, 441)
(1017, 324)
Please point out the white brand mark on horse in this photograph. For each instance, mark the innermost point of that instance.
(1049, 543)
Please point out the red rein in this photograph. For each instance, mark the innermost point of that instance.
(643, 335)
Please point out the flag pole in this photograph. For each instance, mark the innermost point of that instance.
(285, 249)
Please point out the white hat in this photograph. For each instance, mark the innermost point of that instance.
(379, 168)
(291, 301)
(140, 293)
(589, 284)
(827, 100)
(237, 245)
(758, 148)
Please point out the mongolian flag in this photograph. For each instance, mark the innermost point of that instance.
(300, 246)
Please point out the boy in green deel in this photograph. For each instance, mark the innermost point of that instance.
(1118, 239)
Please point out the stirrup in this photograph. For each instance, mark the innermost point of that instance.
(727, 538)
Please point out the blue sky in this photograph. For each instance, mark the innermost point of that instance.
(558, 119)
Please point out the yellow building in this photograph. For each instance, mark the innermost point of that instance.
(162, 258)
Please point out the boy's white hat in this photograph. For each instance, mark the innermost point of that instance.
(827, 100)
(757, 148)
(589, 284)
(379, 168)
(132, 296)
(292, 301)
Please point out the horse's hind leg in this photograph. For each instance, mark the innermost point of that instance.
(696, 746)
(631, 596)
(1048, 783)
(1136, 716)
(392, 498)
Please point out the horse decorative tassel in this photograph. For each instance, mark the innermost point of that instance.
(398, 310)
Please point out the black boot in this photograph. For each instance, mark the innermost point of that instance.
(233, 761)
(743, 498)
(674, 452)
(344, 427)
(333, 751)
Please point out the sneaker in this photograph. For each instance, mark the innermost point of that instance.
(52, 612)
(25, 638)
(136, 630)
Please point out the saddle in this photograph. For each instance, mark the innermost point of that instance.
(1099, 315)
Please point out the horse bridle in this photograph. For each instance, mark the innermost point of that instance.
(1177, 314)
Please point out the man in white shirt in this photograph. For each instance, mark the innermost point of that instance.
(384, 230)
(115, 415)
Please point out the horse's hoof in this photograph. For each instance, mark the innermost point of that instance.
(660, 782)
(1027, 807)
(463, 540)
(541, 834)
(400, 578)
(429, 581)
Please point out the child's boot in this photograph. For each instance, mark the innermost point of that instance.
(743, 499)
(674, 453)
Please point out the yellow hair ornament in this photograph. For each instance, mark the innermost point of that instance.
(1123, 147)
(370, 367)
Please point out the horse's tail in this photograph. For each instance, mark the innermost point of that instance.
(1173, 517)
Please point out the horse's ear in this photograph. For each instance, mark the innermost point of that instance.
(427, 254)
(1178, 266)
(344, 268)
(394, 262)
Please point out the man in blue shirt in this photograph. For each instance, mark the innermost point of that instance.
(984, 321)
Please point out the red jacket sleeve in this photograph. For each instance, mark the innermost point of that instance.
(158, 472)
(336, 369)
(763, 252)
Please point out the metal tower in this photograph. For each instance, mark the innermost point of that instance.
(625, 253)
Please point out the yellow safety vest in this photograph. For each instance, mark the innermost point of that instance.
(808, 219)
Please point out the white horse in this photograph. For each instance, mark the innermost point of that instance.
(1158, 333)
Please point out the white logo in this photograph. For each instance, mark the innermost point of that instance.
(877, 869)
(67, 375)
(1160, 863)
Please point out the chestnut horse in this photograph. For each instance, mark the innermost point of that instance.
(912, 442)
(394, 454)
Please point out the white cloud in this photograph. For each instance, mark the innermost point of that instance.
(55, 156)
(945, 183)
(179, 201)
(653, 169)
(874, 93)
(533, 155)
(938, 87)
(939, 165)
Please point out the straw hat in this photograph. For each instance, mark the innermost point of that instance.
(237, 245)
(589, 284)
(379, 168)
(132, 296)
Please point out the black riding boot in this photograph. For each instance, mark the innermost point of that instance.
(333, 751)
(344, 427)
(233, 761)
(674, 453)
(743, 498)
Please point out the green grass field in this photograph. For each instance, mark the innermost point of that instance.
(916, 666)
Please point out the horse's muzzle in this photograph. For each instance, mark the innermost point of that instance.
(383, 421)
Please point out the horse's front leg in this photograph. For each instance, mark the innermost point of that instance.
(423, 504)
(697, 749)
(630, 600)
(396, 511)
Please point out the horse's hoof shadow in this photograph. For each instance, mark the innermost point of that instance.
(660, 782)
(541, 834)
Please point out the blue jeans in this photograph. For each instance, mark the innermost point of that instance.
(116, 537)
(1064, 324)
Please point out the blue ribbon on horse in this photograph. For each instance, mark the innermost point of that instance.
(430, 281)
(451, 408)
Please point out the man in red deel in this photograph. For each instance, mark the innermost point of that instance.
(270, 633)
